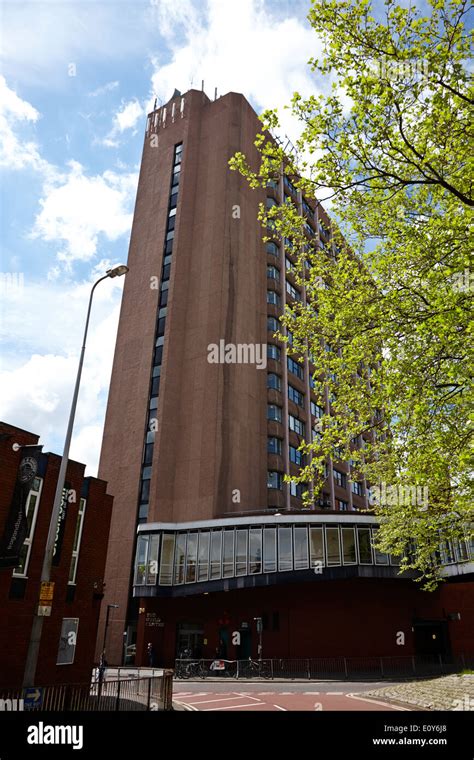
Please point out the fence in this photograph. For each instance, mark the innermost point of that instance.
(326, 668)
(135, 694)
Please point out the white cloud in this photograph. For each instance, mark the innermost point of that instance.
(77, 209)
(238, 47)
(37, 389)
(102, 90)
(125, 118)
(16, 152)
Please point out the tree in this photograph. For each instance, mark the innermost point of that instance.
(388, 323)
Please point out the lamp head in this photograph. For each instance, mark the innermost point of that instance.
(117, 271)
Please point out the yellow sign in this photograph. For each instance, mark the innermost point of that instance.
(47, 591)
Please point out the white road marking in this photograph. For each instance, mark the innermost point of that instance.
(185, 704)
(280, 708)
(224, 699)
(334, 693)
(311, 692)
(232, 707)
(376, 702)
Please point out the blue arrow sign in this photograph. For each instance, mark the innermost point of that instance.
(33, 697)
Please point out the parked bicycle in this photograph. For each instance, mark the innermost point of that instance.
(191, 669)
(255, 669)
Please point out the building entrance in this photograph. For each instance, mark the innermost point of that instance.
(189, 640)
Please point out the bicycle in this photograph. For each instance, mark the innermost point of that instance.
(255, 669)
(190, 669)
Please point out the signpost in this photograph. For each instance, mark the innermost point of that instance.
(33, 698)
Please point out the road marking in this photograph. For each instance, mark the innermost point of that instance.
(376, 702)
(288, 693)
(334, 693)
(265, 693)
(225, 699)
(311, 692)
(185, 704)
(280, 708)
(232, 707)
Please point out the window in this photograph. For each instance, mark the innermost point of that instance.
(300, 547)
(317, 410)
(216, 548)
(273, 273)
(152, 560)
(145, 491)
(274, 445)
(294, 293)
(296, 456)
(357, 488)
(273, 381)
(203, 556)
(285, 559)
(67, 641)
(288, 264)
(298, 489)
(272, 324)
(191, 557)
(289, 184)
(274, 412)
(166, 563)
(365, 548)
(295, 424)
(31, 511)
(271, 202)
(273, 352)
(380, 557)
(272, 249)
(179, 559)
(348, 546)
(241, 541)
(342, 505)
(269, 550)
(295, 368)
(333, 548)
(289, 336)
(295, 396)
(340, 478)
(316, 547)
(274, 480)
(273, 298)
(140, 560)
(255, 551)
(228, 554)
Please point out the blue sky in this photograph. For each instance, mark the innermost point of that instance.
(76, 82)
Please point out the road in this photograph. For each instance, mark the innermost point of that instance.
(272, 695)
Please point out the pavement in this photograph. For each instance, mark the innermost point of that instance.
(443, 693)
(277, 696)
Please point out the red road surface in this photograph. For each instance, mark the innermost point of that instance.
(266, 699)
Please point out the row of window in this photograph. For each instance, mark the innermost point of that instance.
(195, 556)
(159, 336)
(31, 512)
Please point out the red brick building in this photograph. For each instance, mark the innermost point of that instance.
(69, 633)
(195, 451)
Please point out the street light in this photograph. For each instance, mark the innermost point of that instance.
(109, 607)
(37, 627)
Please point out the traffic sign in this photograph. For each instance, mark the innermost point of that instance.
(47, 591)
(44, 610)
(33, 698)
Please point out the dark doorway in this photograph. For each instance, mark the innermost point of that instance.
(189, 640)
(431, 637)
(244, 651)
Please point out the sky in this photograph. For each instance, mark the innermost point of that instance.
(76, 82)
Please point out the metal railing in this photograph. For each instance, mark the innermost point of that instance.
(325, 668)
(134, 694)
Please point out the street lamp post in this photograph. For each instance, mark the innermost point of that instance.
(109, 607)
(259, 622)
(37, 627)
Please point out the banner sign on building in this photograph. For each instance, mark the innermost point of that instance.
(16, 526)
(58, 541)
